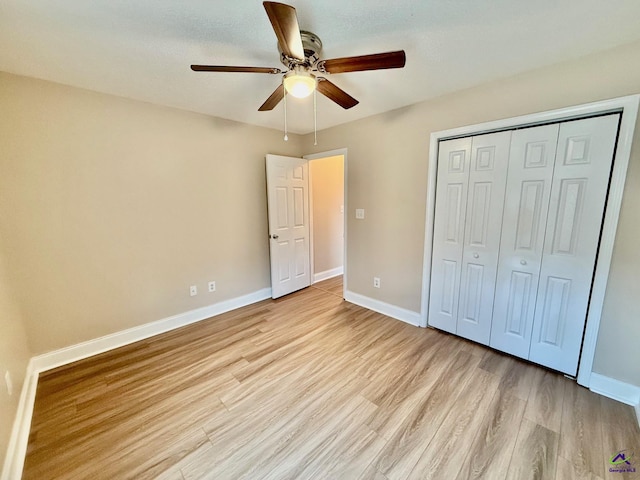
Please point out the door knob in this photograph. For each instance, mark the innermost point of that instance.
(523, 262)
(275, 237)
(476, 255)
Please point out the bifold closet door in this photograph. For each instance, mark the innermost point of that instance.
(448, 232)
(483, 223)
(469, 199)
(580, 183)
(531, 160)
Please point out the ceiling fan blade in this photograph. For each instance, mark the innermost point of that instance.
(335, 93)
(376, 61)
(285, 23)
(225, 68)
(273, 100)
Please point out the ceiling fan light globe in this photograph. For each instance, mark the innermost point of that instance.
(300, 86)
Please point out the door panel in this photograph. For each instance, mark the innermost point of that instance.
(531, 161)
(568, 216)
(518, 303)
(299, 205)
(580, 181)
(288, 206)
(554, 311)
(284, 269)
(472, 295)
(532, 197)
(455, 202)
(480, 203)
(485, 201)
(448, 232)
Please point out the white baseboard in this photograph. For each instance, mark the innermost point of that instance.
(616, 390)
(17, 449)
(407, 316)
(327, 274)
(14, 461)
(71, 354)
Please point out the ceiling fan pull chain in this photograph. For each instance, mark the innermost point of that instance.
(286, 137)
(315, 119)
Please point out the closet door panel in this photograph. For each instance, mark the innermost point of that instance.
(580, 182)
(448, 232)
(485, 200)
(531, 162)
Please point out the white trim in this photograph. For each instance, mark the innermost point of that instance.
(327, 274)
(335, 153)
(637, 409)
(312, 255)
(629, 108)
(17, 449)
(19, 439)
(607, 239)
(407, 316)
(73, 353)
(615, 389)
(429, 221)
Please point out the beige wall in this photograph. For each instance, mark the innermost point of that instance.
(14, 357)
(387, 176)
(327, 187)
(111, 208)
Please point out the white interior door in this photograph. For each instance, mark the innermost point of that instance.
(580, 182)
(531, 161)
(454, 157)
(485, 201)
(288, 209)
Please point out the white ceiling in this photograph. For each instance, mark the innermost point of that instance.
(142, 49)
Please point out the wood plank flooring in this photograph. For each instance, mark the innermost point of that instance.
(311, 387)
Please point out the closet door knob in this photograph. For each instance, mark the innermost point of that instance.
(475, 255)
(523, 262)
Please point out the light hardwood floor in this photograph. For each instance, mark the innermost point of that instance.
(312, 387)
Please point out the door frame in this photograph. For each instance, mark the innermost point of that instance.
(317, 156)
(628, 107)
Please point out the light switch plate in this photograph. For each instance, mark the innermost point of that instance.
(360, 213)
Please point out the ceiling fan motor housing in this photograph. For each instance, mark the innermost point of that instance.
(312, 46)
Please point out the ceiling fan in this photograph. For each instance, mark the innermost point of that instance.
(300, 54)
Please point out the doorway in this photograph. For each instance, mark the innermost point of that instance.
(327, 207)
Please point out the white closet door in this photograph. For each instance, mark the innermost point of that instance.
(485, 201)
(580, 181)
(531, 162)
(448, 232)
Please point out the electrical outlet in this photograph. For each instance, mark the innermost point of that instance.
(193, 290)
(7, 380)
(212, 286)
(376, 282)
